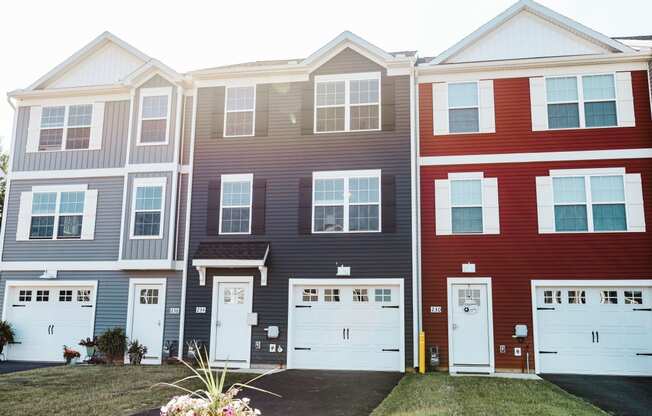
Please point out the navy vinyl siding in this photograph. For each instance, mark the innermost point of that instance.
(112, 154)
(104, 246)
(282, 157)
(113, 294)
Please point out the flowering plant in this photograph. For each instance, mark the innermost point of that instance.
(69, 353)
(213, 399)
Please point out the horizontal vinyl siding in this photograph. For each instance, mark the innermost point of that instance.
(107, 225)
(514, 126)
(113, 294)
(519, 253)
(153, 153)
(282, 158)
(139, 249)
(111, 154)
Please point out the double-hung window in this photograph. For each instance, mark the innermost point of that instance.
(239, 116)
(581, 101)
(589, 203)
(148, 208)
(57, 215)
(235, 206)
(463, 108)
(154, 124)
(346, 201)
(348, 102)
(65, 127)
(466, 206)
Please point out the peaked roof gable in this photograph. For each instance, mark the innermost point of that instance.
(552, 33)
(350, 40)
(106, 60)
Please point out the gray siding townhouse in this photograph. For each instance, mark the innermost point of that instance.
(89, 240)
(301, 231)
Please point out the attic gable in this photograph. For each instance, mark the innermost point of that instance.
(529, 30)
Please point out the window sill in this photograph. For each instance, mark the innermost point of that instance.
(584, 128)
(346, 131)
(165, 143)
(62, 150)
(347, 232)
(145, 237)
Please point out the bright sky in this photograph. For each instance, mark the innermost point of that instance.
(191, 34)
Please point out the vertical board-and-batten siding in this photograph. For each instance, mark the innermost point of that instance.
(105, 244)
(113, 294)
(282, 157)
(142, 249)
(112, 153)
(153, 153)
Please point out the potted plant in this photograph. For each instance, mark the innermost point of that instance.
(7, 334)
(136, 352)
(91, 345)
(113, 343)
(71, 356)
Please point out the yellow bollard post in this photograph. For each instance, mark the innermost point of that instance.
(422, 352)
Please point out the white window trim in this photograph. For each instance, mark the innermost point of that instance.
(467, 176)
(477, 106)
(347, 175)
(347, 78)
(236, 178)
(580, 100)
(152, 92)
(65, 127)
(144, 182)
(58, 189)
(226, 110)
(587, 174)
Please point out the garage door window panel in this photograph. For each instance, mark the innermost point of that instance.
(83, 295)
(633, 297)
(331, 295)
(24, 296)
(576, 297)
(552, 297)
(42, 295)
(65, 296)
(360, 295)
(383, 295)
(609, 297)
(310, 295)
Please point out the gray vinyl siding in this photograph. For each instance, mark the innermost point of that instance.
(153, 153)
(104, 246)
(282, 158)
(112, 154)
(147, 248)
(113, 294)
(181, 229)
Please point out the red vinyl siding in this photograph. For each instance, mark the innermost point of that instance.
(519, 253)
(514, 128)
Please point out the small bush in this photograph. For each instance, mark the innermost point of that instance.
(113, 344)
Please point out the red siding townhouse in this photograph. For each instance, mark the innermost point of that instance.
(536, 199)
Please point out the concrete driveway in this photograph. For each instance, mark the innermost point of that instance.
(621, 396)
(14, 366)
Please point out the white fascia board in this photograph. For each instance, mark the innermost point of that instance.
(7, 266)
(537, 157)
(96, 93)
(347, 38)
(228, 263)
(147, 71)
(634, 61)
(545, 13)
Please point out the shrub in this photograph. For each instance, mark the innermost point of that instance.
(113, 344)
(7, 334)
(136, 352)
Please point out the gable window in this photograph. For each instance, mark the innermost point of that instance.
(589, 203)
(466, 206)
(148, 208)
(347, 201)
(581, 101)
(154, 120)
(348, 102)
(463, 108)
(239, 111)
(65, 127)
(235, 207)
(60, 211)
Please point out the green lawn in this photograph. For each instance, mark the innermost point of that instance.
(440, 394)
(90, 390)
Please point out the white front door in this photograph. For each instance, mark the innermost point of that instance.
(148, 320)
(232, 332)
(470, 338)
(594, 330)
(352, 327)
(45, 318)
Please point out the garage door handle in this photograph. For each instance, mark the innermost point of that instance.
(545, 309)
(636, 309)
(648, 354)
(52, 329)
(597, 337)
(593, 336)
(18, 306)
(547, 352)
(87, 306)
(391, 350)
(49, 329)
(302, 349)
(303, 306)
(343, 333)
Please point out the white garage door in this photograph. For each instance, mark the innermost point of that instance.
(46, 318)
(594, 330)
(346, 328)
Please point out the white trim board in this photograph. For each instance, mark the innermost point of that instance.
(133, 281)
(534, 284)
(20, 266)
(537, 157)
(346, 282)
(215, 297)
(490, 321)
(99, 172)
